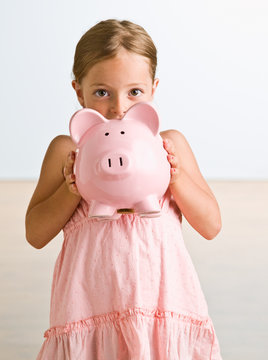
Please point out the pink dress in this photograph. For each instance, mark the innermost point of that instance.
(127, 290)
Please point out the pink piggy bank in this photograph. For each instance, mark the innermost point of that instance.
(121, 165)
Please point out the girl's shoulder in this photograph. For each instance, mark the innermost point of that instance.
(51, 174)
(57, 152)
(62, 143)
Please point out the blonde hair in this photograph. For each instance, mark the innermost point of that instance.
(105, 39)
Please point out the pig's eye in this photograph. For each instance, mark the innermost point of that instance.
(122, 132)
(106, 134)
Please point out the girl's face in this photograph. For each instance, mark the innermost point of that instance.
(112, 86)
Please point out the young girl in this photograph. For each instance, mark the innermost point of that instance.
(123, 289)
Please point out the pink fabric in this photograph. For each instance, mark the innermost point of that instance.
(127, 289)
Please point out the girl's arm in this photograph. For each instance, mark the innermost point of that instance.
(55, 198)
(189, 188)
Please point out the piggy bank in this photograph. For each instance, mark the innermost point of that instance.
(121, 166)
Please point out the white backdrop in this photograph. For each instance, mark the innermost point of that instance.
(212, 67)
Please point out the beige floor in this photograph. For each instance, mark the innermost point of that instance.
(232, 269)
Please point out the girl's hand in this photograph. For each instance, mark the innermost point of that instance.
(173, 160)
(69, 175)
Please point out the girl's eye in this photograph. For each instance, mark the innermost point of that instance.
(101, 93)
(135, 92)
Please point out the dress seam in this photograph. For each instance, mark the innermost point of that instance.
(117, 316)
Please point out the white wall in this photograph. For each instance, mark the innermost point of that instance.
(212, 66)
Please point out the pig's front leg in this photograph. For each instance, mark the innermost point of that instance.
(100, 210)
(148, 207)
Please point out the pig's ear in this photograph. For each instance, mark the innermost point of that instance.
(145, 113)
(82, 121)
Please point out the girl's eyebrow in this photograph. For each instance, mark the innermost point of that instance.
(128, 85)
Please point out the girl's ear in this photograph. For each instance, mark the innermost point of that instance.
(155, 84)
(82, 121)
(79, 92)
(145, 113)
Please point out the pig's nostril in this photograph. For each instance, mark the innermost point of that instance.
(121, 161)
(110, 163)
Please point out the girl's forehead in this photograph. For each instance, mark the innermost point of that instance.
(125, 66)
(125, 56)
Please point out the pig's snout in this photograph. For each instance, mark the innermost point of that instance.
(116, 164)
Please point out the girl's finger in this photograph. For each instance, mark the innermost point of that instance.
(70, 179)
(73, 189)
(169, 146)
(172, 160)
(165, 143)
(174, 172)
(68, 169)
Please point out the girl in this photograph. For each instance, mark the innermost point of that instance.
(123, 289)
